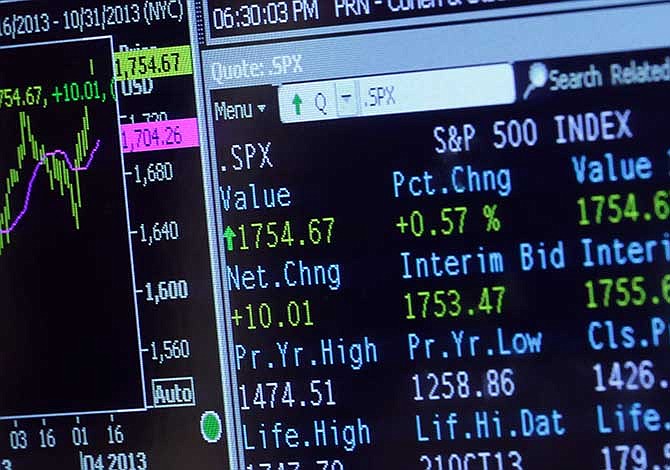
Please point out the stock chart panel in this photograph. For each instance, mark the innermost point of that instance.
(63, 205)
(109, 346)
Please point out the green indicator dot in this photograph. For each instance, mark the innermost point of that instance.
(210, 426)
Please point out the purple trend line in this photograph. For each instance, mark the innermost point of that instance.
(33, 177)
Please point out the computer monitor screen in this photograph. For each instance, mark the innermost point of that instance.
(334, 235)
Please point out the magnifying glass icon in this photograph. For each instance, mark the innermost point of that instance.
(538, 74)
(320, 102)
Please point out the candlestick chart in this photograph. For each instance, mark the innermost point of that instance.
(62, 174)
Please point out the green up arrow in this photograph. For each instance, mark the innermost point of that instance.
(229, 234)
(297, 102)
